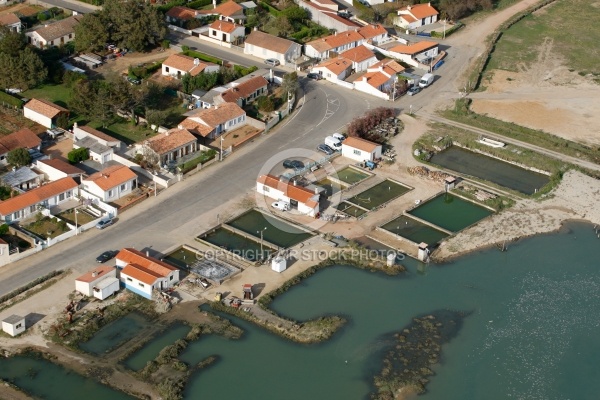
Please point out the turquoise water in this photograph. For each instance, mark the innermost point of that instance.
(151, 349)
(115, 334)
(450, 212)
(46, 380)
(490, 169)
(532, 332)
(278, 232)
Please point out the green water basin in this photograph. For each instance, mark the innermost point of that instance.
(414, 230)
(115, 334)
(350, 209)
(379, 194)
(450, 212)
(330, 187)
(151, 349)
(243, 246)
(351, 175)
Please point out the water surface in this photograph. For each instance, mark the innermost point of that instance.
(450, 212)
(151, 349)
(115, 334)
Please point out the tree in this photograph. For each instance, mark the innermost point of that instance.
(92, 100)
(295, 14)
(62, 121)
(11, 42)
(18, 157)
(283, 25)
(290, 84)
(24, 71)
(4, 229)
(134, 24)
(265, 103)
(78, 155)
(156, 117)
(91, 33)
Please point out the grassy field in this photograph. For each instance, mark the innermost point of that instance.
(568, 23)
(59, 94)
(125, 131)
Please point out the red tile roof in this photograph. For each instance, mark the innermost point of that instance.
(420, 11)
(298, 193)
(371, 31)
(408, 18)
(269, 42)
(244, 89)
(62, 166)
(45, 108)
(335, 41)
(191, 65)
(171, 140)
(358, 54)
(149, 264)
(96, 273)
(387, 63)
(336, 65)
(228, 9)
(182, 13)
(218, 115)
(37, 195)
(224, 26)
(9, 19)
(140, 273)
(23, 138)
(360, 144)
(111, 177)
(195, 127)
(415, 48)
(375, 79)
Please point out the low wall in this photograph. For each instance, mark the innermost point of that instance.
(178, 29)
(110, 210)
(214, 41)
(141, 171)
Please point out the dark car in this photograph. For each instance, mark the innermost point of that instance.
(107, 255)
(316, 77)
(325, 149)
(293, 164)
(413, 90)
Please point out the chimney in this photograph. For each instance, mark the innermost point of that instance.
(94, 274)
(196, 13)
(74, 125)
(147, 253)
(364, 79)
(409, 8)
(214, 3)
(294, 182)
(167, 133)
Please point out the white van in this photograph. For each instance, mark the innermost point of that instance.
(426, 80)
(339, 136)
(333, 143)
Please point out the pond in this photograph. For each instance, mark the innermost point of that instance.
(414, 230)
(490, 169)
(243, 246)
(330, 186)
(45, 380)
(181, 258)
(450, 212)
(379, 194)
(150, 350)
(350, 209)
(278, 232)
(114, 334)
(351, 175)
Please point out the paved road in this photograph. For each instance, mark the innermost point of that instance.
(73, 5)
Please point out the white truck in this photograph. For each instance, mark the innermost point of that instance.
(426, 80)
(334, 143)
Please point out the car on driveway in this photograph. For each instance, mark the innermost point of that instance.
(273, 62)
(107, 255)
(314, 76)
(104, 223)
(325, 149)
(413, 90)
(293, 164)
(281, 205)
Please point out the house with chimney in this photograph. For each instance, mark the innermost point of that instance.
(416, 16)
(169, 146)
(54, 34)
(335, 69)
(178, 65)
(226, 31)
(374, 34)
(54, 169)
(263, 45)
(379, 80)
(23, 138)
(305, 200)
(333, 45)
(111, 183)
(48, 195)
(44, 112)
(211, 123)
(141, 273)
(243, 91)
(229, 11)
(100, 145)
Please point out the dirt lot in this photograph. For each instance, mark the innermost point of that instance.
(121, 64)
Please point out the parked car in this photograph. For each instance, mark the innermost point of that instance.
(281, 205)
(413, 90)
(104, 223)
(325, 149)
(273, 62)
(107, 255)
(314, 76)
(339, 136)
(333, 143)
(344, 14)
(133, 81)
(293, 164)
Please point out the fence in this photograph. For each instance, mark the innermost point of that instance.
(178, 29)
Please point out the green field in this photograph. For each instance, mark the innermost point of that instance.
(565, 27)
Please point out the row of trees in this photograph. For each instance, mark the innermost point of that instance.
(131, 24)
(206, 81)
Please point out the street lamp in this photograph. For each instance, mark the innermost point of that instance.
(76, 229)
(221, 155)
(261, 239)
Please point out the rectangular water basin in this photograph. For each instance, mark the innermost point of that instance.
(350, 209)
(243, 246)
(151, 349)
(414, 230)
(351, 175)
(490, 169)
(330, 186)
(379, 194)
(450, 212)
(114, 334)
(181, 258)
(278, 232)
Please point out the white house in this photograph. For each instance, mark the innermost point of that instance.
(170, 145)
(43, 112)
(13, 325)
(55, 169)
(54, 34)
(380, 78)
(415, 54)
(23, 138)
(361, 58)
(374, 34)
(11, 21)
(48, 195)
(360, 149)
(305, 200)
(333, 45)
(334, 69)
(100, 282)
(243, 91)
(228, 11)
(177, 65)
(226, 31)
(141, 273)
(264, 45)
(416, 16)
(111, 183)
(81, 132)
(213, 122)
(97, 151)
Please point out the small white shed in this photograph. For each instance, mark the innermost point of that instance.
(279, 264)
(101, 282)
(360, 149)
(14, 325)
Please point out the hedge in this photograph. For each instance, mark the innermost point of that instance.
(440, 35)
(30, 285)
(272, 10)
(6, 98)
(204, 157)
(202, 56)
(199, 4)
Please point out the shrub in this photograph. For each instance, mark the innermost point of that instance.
(78, 155)
(18, 157)
(265, 103)
(7, 99)
(4, 229)
(362, 126)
